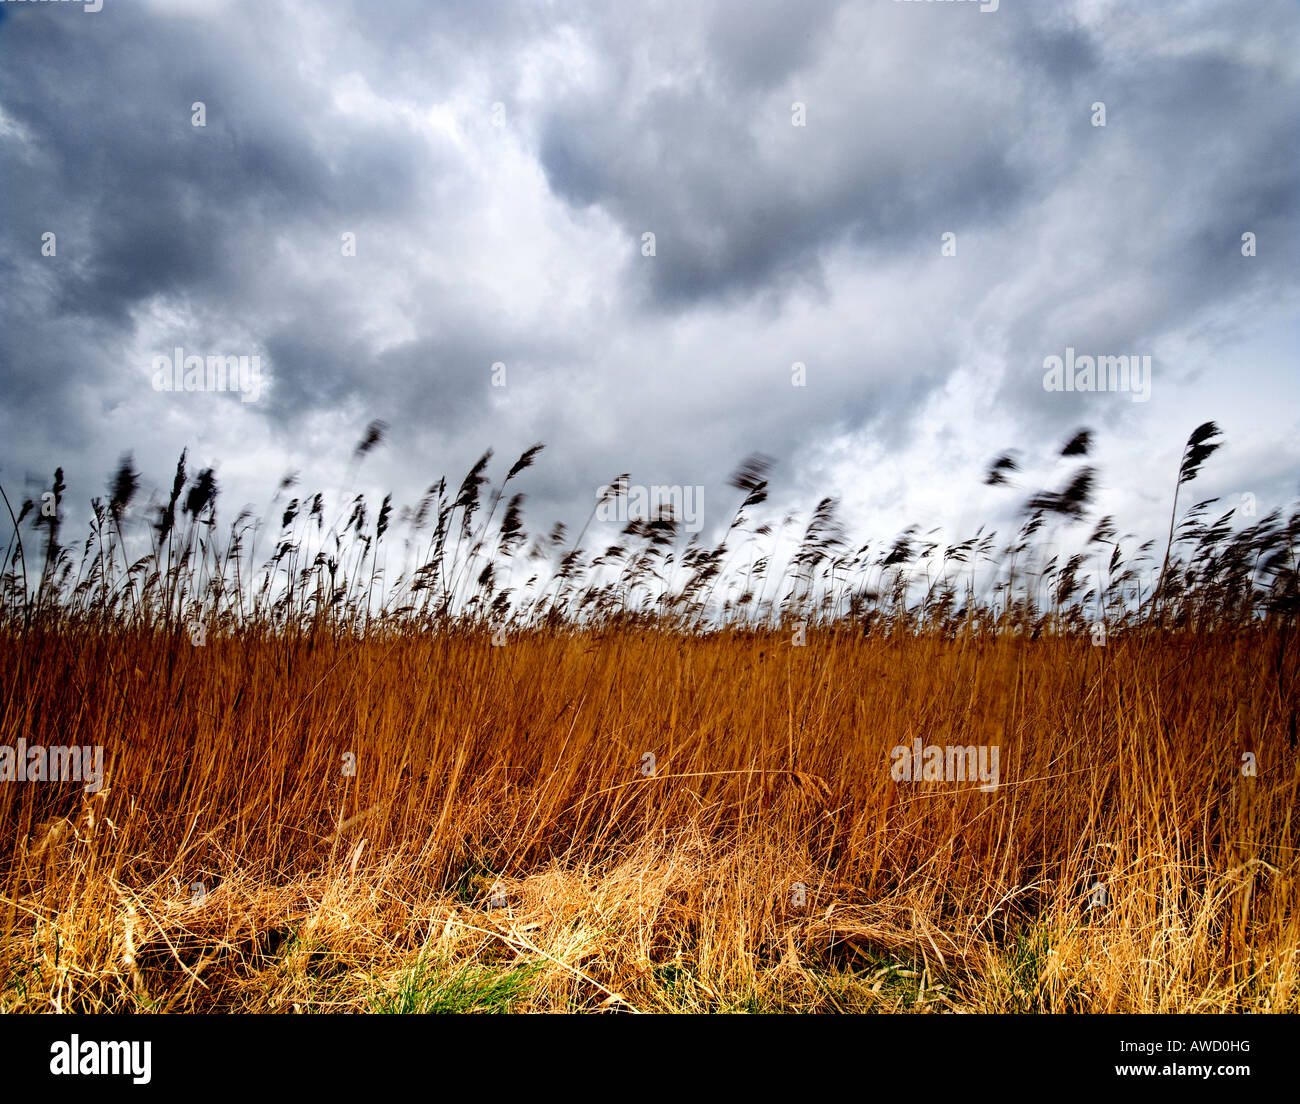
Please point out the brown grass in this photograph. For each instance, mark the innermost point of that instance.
(520, 766)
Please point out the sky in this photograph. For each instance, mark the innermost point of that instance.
(873, 223)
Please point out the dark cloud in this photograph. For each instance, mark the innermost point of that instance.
(521, 243)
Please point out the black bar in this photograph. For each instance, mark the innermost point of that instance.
(519, 1056)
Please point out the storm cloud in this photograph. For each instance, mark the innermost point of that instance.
(386, 200)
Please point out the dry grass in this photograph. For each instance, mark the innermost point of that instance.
(361, 770)
(522, 765)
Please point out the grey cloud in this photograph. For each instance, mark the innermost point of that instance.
(774, 243)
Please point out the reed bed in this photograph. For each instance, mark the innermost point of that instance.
(632, 791)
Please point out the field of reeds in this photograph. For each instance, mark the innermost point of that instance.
(370, 764)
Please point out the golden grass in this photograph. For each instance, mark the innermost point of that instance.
(520, 767)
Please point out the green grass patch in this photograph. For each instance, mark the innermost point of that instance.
(432, 987)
